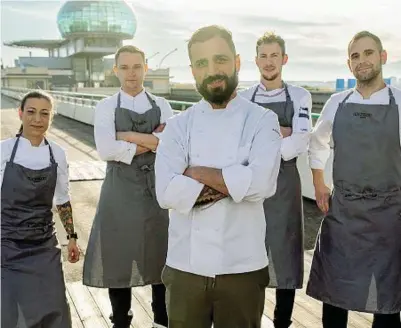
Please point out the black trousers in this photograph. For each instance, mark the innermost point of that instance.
(284, 307)
(334, 317)
(120, 299)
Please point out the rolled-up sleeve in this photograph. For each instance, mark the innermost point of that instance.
(298, 142)
(166, 113)
(173, 189)
(62, 191)
(257, 180)
(108, 147)
(319, 145)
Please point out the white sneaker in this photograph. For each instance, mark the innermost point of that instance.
(156, 325)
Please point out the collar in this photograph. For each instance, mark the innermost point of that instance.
(124, 94)
(376, 94)
(263, 88)
(28, 143)
(231, 104)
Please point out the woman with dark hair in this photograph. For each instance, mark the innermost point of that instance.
(34, 172)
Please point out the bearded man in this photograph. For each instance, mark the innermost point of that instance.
(217, 163)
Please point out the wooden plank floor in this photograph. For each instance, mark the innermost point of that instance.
(90, 307)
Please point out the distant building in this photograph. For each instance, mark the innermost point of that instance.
(90, 30)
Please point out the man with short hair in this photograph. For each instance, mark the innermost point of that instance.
(283, 211)
(215, 165)
(128, 241)
(357, 260)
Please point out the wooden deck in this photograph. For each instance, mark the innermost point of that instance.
(90, 307)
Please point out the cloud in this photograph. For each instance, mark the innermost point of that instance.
(46, 10)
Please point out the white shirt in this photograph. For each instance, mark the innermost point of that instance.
(320, 143)
(244, 141)
(108, 147)
(298, 142)
(37, 158)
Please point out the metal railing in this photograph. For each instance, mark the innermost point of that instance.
(91, 100)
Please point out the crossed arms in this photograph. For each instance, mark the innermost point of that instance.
(179, 187)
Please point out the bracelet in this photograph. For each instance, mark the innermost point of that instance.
(72, 235)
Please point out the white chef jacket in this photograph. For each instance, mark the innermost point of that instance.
(244, 141)
(320, 143)
(37, 158)
(108, 147)
(298, 142)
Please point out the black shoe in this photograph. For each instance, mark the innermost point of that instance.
(123, 321)
(278, 324)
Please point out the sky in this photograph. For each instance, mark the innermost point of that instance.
(316, 31)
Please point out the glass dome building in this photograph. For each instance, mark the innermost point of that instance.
(113, 18)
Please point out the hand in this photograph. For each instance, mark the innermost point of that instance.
(286, 132)
(322, 195)
(160, 128)
(73, 251)
(209, 195)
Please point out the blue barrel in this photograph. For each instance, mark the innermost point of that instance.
(387, 81)
(351, 83)
(340, 84)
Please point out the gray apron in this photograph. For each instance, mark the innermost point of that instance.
(32, 280)
(357, 260)
(128, 241)
(284, 213)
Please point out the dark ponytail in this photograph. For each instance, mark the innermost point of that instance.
(39, 94)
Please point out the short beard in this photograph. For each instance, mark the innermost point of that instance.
(219, 95)
(271, 78)
(368, 79)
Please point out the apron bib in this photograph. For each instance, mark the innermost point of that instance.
(284, 213)
(357, 260)
(32, 280)
(128, 241)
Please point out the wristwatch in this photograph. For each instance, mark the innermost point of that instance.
(72, 235)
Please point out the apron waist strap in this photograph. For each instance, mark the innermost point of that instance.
(366, 193)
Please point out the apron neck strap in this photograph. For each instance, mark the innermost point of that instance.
(151, 100)
(391, 96)
(15, 148)
(254, 93)
(287, 93)
(119, 100)
(346, 98)
(52, 160)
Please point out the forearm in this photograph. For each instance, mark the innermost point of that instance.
(210, 177)
(141, 150)
(318, 176)
(145, 140)
(65, 214)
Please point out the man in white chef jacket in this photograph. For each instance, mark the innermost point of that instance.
(283, 211)
(357, 260)
(228, 148)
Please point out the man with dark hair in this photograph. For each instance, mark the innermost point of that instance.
(357, 260)
(128, 241)
(215, 165)
(284, 212)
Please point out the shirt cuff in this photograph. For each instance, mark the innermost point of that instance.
(129, 154)
(60, 200)
(288, 149)
(182, 193)
(238, 179)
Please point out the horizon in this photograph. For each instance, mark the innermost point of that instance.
(316, 44)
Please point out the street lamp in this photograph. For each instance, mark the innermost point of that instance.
(155, 54)
(168, 54)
